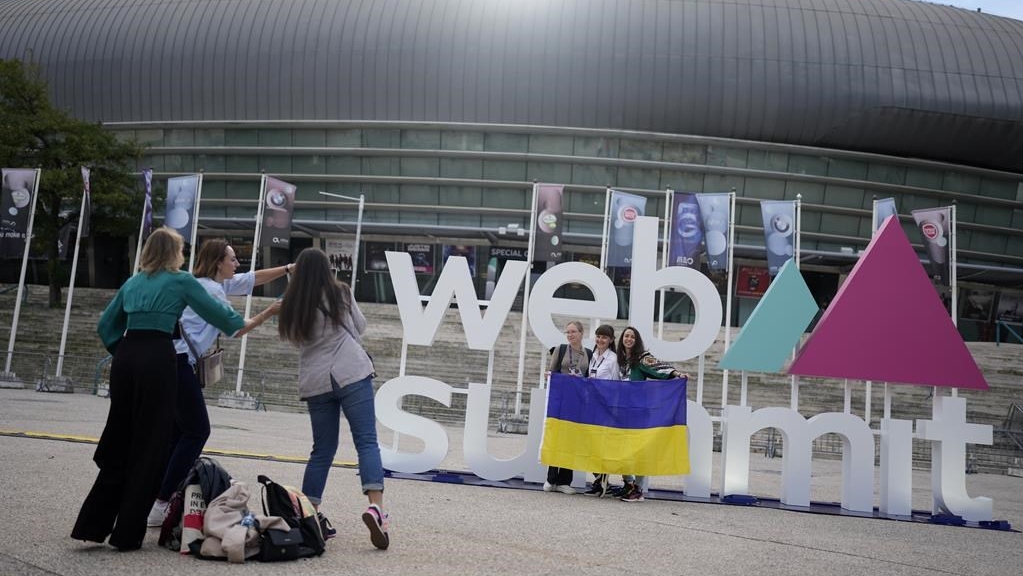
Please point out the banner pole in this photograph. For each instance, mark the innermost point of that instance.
(358, 239)
(70, 291)
(21, 277)
(669, 196)
(146, 204)
(195, 224)
(728, 294)
(252, 268)
(873, 217)
(525, 302)
(793, 379)
(953, 274)
(603, 233)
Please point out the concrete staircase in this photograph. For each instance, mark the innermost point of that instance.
(271, 369)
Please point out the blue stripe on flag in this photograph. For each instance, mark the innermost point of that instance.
(617, 404)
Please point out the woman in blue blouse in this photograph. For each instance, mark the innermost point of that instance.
(136, 328)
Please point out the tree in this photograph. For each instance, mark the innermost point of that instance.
(36, 134)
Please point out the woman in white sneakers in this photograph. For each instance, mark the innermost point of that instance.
(603, 366)
(335, 374)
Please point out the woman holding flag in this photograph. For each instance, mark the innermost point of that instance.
(603, 366)
(636, 363)
(572, 358)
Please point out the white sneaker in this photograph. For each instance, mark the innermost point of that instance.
(548, 487)
(565, 489)
(157, 514)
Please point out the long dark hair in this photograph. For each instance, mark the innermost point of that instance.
(313, 290)
(638, 349)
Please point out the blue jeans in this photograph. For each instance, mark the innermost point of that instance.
(356, 401)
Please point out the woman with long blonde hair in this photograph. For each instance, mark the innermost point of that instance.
(136, 327)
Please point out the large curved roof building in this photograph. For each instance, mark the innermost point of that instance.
(443, 112)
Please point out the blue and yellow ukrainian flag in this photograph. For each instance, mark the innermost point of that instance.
(616, 427)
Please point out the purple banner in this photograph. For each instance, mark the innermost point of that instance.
(625, 208)
(686, 232)
(715, 210)
(277, 212)
(180, 211)
(934, 225)
(779, 232)
(549, 227)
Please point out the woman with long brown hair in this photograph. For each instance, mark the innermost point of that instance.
(215, 266)
(319, 316)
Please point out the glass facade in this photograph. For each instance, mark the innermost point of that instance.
(460, 183)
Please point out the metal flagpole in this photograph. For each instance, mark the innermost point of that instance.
(953, 276)
(793, 379)
(358, 230)
(147, 175)
(21, 278)
(71, 289)
(728, 294)
(603, 233)
(195, 227)
(867, 391)
(669, 195)
(525, 302)
(252, 268)
(358, 241)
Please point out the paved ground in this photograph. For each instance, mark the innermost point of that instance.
(450, 529)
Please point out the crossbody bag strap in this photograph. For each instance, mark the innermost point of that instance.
(188, 341)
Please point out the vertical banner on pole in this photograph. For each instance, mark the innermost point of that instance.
(779, 226)
(84, 222)
(548, 231)
(625, 208)
(180, 210)
(16, 183)
(935, 227)
(15, 211)
(686, 232)
(146, 225)
(715, 211)
(277, 213)
(883, 208)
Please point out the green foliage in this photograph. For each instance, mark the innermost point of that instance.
(37, 135)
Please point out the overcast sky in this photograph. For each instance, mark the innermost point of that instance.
(1008, 8)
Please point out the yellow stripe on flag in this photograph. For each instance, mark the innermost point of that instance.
(660, 451)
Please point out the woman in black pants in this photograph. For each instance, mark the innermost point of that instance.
(136, 327)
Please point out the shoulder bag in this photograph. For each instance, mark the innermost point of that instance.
(209, 367)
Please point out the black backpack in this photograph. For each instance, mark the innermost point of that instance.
(305, 539)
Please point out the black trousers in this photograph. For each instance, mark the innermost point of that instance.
(133, 450)
(559, 476)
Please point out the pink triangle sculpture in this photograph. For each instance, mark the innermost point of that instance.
(887, 324)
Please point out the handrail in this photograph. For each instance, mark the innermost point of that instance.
(998, 332)
(99, 372)
(1009, 425)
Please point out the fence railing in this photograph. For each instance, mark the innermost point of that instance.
(999, 327)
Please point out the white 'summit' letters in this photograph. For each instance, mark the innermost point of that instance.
(948, 429)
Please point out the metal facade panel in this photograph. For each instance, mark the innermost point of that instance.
(790, 71)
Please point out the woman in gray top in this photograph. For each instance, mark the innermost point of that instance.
(320, 317)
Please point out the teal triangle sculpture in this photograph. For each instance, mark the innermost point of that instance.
(775, 326)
